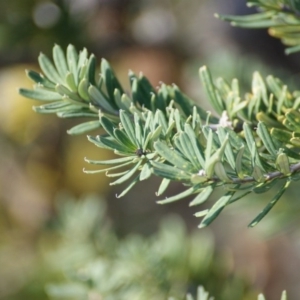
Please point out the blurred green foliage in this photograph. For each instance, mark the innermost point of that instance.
(80, 257)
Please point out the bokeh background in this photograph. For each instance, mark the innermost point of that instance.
(167, 40)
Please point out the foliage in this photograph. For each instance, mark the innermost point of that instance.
(251, 144)
(88, 261)
(281, 17)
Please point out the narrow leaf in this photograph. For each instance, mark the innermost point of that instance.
(202, 196)
(84, 127)
(216, 209)
(271, 204)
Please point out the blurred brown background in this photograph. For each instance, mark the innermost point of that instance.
(167, 40)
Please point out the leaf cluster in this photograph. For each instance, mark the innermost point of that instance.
(281, 17)
(249, 144)
(97, 264)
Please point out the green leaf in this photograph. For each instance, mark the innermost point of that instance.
(247, 18)
(259, 87)
(77, 114)
(82, 59)
(264, 186)
(98, 98)
(210, 90)
(60, 61)
(110, 80)
(106, 170)
(266, 138)
(70, 80)
(169, 172)
(128, 174)
(271, 204)
(222, 134)
(83, 90)
(173, 157)
(53, 107)
(239, 163)
(163, 186)
(221, 172)
(49, 70)
(145, 172)
(72, 58)
(108, 126)
(64, 91)
(129, 187)
(128, 126)
(84, 127)
(105, 142)
(109, 161)
(195, 145)
(91, 69)
(216, 209)
(216, 157)
(121, 136)
(40, 94)
(40, 79)
(203, 195)
(282, 163)
(181, 195)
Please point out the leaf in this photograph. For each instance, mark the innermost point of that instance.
(210, 90)
(98, 98)
(195, 145)
(169, 172)
(282, 163)
(105, 142)
(109, 161)
(181, 195)
(216, 157)
(127, 125)
(121, 136)
(53, 107)
(110, 80)
(259, 87)
(271, 204)
(72, 58)
(202, 196)
(145, 172)
(252, 147)
(49, 70)
(129, 187)
(78, 114)
(172, 156)
(83, 90)
(221, 172)
(108, 126)
(70, 80)
(239, 163)
(128, 174)
(64, 91)
(91, 69)
(216, 209)
(266, 138)
(40, 79)
(84, 127)
(40, 94)
(106, 170)
(163, 186)
(222, 134)
(60, 61)
(281, 135)
(247, 18)
(264, 187)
